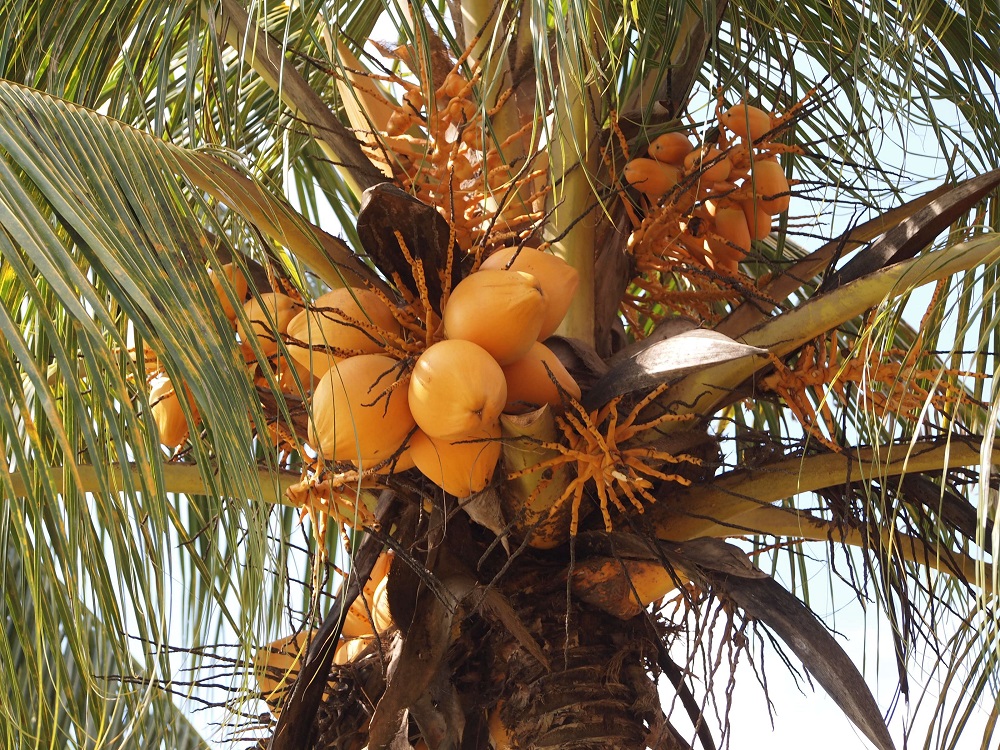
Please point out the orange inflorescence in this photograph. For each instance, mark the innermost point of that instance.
(336, 498)
(888, 381)
(442, 151)
(596, 447)
(705, 206)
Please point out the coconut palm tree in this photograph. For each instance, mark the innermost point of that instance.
(768, 338)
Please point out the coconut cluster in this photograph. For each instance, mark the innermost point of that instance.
(490, 362)
(165, 405)
(727, 192)
(376, 404)
(277, 665)
(438, 147)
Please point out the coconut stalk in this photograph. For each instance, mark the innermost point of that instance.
(528, 500)
(574, 156)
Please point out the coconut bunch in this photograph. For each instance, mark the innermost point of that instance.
(491, 361)
(165, 406)
(705, 204)
(388, 398)
(724, 194)
(436, 144)
(277, 665)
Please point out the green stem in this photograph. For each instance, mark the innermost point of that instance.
(182, 479)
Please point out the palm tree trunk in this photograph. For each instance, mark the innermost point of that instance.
(598, 690)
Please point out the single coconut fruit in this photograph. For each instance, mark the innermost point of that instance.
(671, 148)
(166, 409)
(456, 388)
(719, 195)
(358, 621)
(529, 381)
(501, 311)
(354, 321)
(276, 666)
(360, 410)
(716, 167)
(731, 225)
(770, 186)
(558, 278)
(758, 220)
(402, 462)
(462, 466)
(651, 177)
(380, 607)
(269, 317)
(749, 123)
(350, 649)
(238, 283)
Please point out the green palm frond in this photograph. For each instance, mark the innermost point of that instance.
(102, 250)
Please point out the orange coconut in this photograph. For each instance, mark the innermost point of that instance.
(456, 388)
(558, 278)
(350, 649)
(731, 225)
(771, 186)
(358, 621)
(501, 311)
(462, 466)
(758, 220)
(716, 166)
(166, 409)
(238, 282)
(749, 123)
(671, 148)
(341, 319)
(269, 317)
(359, 410)
(651, 177)
(529, 381)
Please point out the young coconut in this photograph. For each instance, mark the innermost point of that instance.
(558, 279)
(341, 319)
(529, 382)
(771, 186)
(501, 311)
(651, 177)
(749, 123)
(731, 225)
(456, 388)
(166, 409)
(459, 467)
(238, 282)
(269, 318)
(671, 148)
(758, 220)
(359, 410)
(710, 159)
